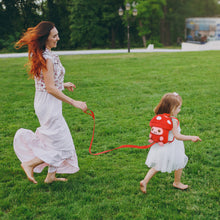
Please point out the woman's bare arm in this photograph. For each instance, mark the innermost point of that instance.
(51, 88)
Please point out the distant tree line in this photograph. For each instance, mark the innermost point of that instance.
(84, 24)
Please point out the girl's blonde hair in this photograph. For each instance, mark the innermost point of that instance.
(168, 103)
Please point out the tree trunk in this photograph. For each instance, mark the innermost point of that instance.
(143, 37)
(164, 29)
(113, 38)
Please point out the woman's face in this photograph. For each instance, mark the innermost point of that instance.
(52, 38)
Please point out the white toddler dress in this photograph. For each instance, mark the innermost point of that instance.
(52, 141)
(169, 157)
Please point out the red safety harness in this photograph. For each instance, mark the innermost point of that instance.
(123, 146)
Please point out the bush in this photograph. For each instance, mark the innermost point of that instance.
(7, 44)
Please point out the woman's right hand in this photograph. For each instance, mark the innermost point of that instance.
(80, 105)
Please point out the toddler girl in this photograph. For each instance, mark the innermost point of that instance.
(170, 156)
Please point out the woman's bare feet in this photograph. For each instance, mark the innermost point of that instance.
(51, 178)
(143, 186)
(29, 172)
(180, 186)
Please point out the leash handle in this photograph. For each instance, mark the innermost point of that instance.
(122, 146)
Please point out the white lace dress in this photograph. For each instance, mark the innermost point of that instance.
(169, 157)
(52, 141)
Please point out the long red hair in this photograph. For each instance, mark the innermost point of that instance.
(35, 38)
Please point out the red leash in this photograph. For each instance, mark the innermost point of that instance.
(122, 146)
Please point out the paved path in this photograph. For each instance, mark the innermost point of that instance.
(80, 52)
(211, 45)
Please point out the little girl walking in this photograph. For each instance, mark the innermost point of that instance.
(170, 156)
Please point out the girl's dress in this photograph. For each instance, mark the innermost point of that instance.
(52, 141)
(169, 157)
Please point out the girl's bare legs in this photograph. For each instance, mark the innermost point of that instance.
(29, 166)
(52, 177)
(177, 180)
(144, 182)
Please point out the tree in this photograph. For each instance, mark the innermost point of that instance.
(112, 22)
(16, 15)
(95, 23)
(175, 13)
(28, 12)
(10, 17)
(86, 26)
(58, 12)
(149, 14)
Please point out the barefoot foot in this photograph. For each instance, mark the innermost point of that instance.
(143, 186)
(180, 186)
(52, 179)
(29, 172)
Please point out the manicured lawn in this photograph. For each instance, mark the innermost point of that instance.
(122, 90)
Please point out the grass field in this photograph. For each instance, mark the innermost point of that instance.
(122, 90)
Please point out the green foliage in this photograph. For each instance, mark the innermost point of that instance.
(86, 28)
(201, 8)
(93, 23)
(9, 43)
(112, 21)
(58, 12)
(122, 90)
(96, 24)
(155, 42)
(10, 20)
(176, 11)
(149, 13)
(15, 17)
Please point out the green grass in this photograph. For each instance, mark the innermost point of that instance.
(122, 90)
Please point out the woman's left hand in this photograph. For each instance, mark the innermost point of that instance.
(70, 86)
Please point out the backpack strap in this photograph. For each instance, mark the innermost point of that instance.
(176, 119)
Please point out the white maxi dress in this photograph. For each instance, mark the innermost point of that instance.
(52, 141)
(169, 157)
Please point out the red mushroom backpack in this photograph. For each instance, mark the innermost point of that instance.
(160, 126)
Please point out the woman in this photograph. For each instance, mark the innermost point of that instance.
(51, 145)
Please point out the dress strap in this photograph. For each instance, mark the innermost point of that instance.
(176, 119)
